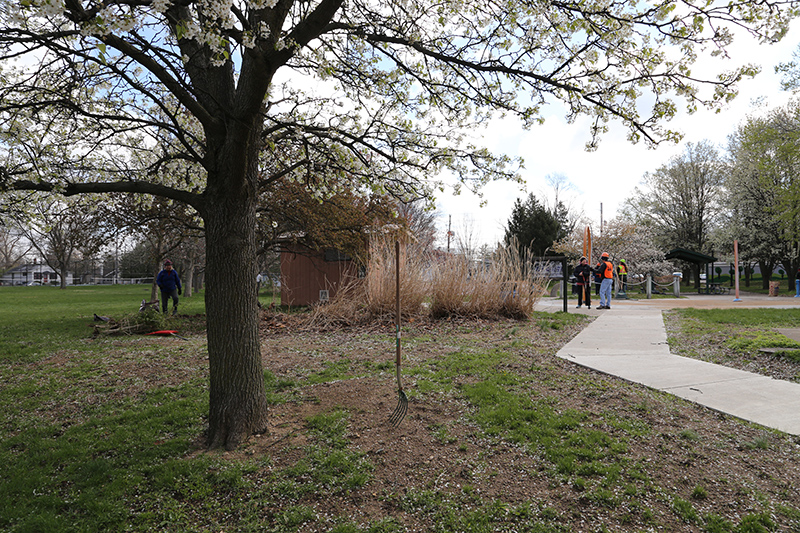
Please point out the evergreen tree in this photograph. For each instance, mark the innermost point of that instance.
(534, 226)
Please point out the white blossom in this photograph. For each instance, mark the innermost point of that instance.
(50, 8)
(161, 6)
(262, 4)
(263, 30)
(248, 40)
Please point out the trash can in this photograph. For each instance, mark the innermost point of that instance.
(774, 288)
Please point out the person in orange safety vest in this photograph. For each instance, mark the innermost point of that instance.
(607, 275)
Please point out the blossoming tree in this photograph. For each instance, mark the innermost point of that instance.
(206, 102)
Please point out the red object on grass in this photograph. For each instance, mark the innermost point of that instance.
(164, 332)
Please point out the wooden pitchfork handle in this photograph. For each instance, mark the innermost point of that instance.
(397, 311)
(402, 402)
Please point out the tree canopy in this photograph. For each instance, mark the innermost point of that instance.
(763, 190)
(681, 200)
(208, 102)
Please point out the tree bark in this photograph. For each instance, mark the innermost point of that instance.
(237, 401)
(766, 268)
(154, 287)
(791, 266)
(188, 281)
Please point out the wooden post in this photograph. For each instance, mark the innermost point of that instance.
(736, 263)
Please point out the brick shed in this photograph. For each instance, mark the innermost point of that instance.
(309, 276)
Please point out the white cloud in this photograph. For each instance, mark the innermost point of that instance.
(608, 175)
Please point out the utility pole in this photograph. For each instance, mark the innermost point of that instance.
(601, 219)
(449, 233)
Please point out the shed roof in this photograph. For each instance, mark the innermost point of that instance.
(688, 255)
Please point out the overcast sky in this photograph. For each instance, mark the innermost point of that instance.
(608, 175)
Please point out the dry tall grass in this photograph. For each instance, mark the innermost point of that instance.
(373, 297)
(505, 286)
(508, 285)
(380, 281)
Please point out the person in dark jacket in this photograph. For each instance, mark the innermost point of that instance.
(170, 284)
(583, 279)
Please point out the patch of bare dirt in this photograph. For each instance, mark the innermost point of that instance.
(130, 373)
(721, 465)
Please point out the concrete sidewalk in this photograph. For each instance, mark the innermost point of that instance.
(630, 341)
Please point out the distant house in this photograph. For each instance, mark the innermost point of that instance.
(35, 273)
(309, 276)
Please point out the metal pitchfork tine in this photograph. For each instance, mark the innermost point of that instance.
(400, 411)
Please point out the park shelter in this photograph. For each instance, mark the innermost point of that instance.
(697, 260)
(311, 276)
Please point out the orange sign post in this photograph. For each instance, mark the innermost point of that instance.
(587, 244)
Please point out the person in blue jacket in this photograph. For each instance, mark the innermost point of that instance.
(170, 284)
(797, 284)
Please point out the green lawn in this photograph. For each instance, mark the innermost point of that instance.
(755, 285)
(103, 433)
(59, 317)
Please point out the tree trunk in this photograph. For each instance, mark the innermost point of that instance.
(153, 287)
(198, 281)
(237, 401)
(791, 266)
(188, 281)
(237, 396)
(766, 268)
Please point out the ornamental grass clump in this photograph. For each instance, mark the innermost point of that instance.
(343, 309)
(506, 285)
(381, 278)
(450, 286)
(373, 296)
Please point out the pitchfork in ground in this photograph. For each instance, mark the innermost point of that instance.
(400, 411)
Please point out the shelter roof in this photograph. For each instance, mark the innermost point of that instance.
(688, 255)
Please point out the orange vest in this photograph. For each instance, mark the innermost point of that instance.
(623, 269)
(609, 271)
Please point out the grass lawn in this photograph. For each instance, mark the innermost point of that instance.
(755, 286)
(104, 433)
(737, 337)
(38, 321)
